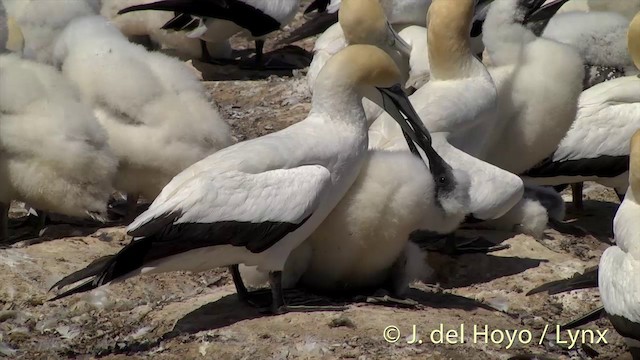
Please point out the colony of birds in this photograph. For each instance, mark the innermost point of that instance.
(427, 116)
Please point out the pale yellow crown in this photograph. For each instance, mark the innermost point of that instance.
(15, 39)
(633, 40)
(362, 65)
(362, 21)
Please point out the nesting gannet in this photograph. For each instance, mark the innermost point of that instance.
(601, 40)
(221, 19)
(42, 21)
(234, 207)
(147, 25)
(615, 276)
(539, 82)
(53, 152)
(594, 148)
(459, 99)
(153, 107)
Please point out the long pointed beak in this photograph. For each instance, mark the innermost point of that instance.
(544, 12)
(397, 104)
(398, 43)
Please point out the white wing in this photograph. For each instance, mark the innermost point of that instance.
(282, 195)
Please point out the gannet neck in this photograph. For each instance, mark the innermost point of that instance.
(634, 166)
(349, 75)
(449, 24)
(633, 40)
(15, 39)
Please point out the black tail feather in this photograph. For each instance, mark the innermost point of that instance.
(312, 27)
(85, 286)
(107, 268)
(588, 279)
(92, 270)
(179, 22)
(584, 319)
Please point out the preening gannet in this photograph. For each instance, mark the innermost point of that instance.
(233, 207)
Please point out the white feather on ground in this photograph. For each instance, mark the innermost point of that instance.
(154, 109)
(53, 152)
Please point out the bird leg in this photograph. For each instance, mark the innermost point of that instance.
(241, 290)
(278, 305)
(273, 63)
(4, 222)
(207, 58)
(576, 192)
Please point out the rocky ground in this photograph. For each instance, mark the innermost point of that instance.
(191, 316)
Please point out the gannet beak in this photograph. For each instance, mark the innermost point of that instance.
(540, 12)
(397, 104)
(397, 42)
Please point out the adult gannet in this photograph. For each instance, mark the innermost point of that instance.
(539, 82)
(459, 99)
(398, 12)
(594, 147)
(153, 107)
(233, 207)
(221, 19)
(362, 22)
(146, 27)
(615, 276)
(54, 154)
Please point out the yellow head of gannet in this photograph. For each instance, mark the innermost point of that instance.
(364, 22)
(15, 39)
(633, 40)
(449, 24)
(634, 165)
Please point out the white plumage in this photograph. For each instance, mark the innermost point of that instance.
(362, 238)
(255, 201)
(41, 21)
(53, 152)
(538, 81)
(154, 109)
(594, 148)
(628, 8)
(617, 277)
(458, 75)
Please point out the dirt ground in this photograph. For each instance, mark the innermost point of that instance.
(197, 316)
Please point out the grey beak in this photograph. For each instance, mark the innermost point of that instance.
(538, 17)
(397, 104)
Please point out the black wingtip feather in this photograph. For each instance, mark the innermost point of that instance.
(85, 286)
(91, 270)
(584, 319)
(319, 5)
(586, 280)
(312, 27)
